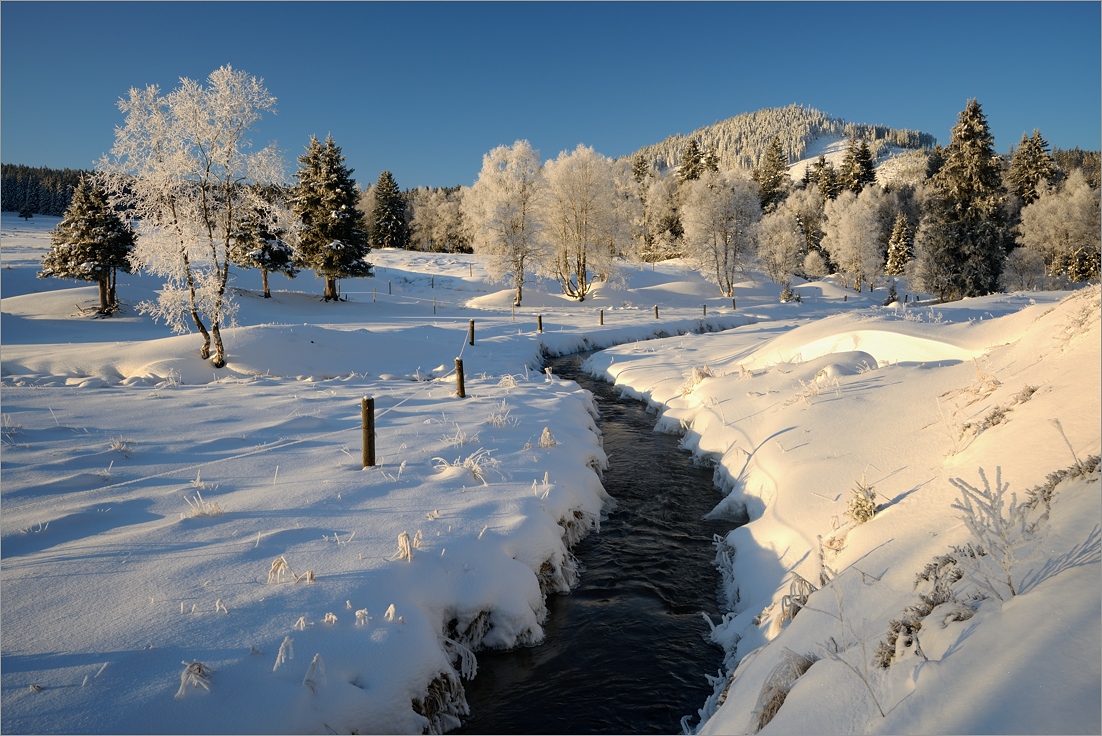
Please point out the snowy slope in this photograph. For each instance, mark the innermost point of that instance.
(907, 402)
(114, 431)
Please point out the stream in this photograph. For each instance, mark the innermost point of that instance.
(626, 652)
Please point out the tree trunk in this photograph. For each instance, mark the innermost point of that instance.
(219, 359)
(331, 288)
(264, 277)
(104, 295)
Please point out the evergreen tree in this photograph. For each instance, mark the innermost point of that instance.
(858, 167)
(772, 176)
(823, 174)
(961, 241)
(262, 241)
(90, 243)
(30, 201)
(900, 246)
(692, 162)
(710, 161)
(388, 216)
(1031, 167)
(640, 169)
(332, 241)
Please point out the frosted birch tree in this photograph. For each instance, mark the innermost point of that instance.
(1062, 225)
(781, 245)
(719, 213)
(852, 235)
(580, 218)
(180, 167)
(500, 213)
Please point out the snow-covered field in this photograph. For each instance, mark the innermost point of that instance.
(157, 512)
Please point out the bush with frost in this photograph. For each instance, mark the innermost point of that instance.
(195, 674)
(862, 504)
(777, 686)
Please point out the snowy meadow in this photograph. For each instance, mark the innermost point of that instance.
(202, 549)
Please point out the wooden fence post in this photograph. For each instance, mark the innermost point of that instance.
(459, 387)
(388, 290)
(705, 310)
(470, 333)
(733, 303)
(367, 416)
(656, 311)
(539, 323)
(601, 319)
(434, 305)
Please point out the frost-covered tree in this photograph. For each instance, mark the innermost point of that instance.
(806, 205)
(500, 211)
(332, 238)
(90, 243)
(720, 213)
(771, 176)
(1031, 168)
(960, 243)
(388, 216)
(1063, 226)
(900, 246)
(858, 168)
(692, 162)
(264, 238)
(661, 220)
(580, 217)
(852, 235)
(180, 167)
(780, 245)
(434, 223)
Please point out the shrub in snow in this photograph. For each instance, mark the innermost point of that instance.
(1003, 534)
(862, 504)
(1041, 495)
(477, 462)
(405, 548)
(315, 673)
(799, 590)
(390, 613)
(201, 507)
(695, 378)
(547, 439)
(195, 674)
(468, 663)
(788, 294)
(777, 686)
(443, 704)
(330, 618)
(361, 617)
(458, 439)
(499, 417)
(286, 652)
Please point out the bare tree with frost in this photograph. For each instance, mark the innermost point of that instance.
(580, 216)
(500, 212)
(720, 213)
(180, 167)
(852, 235)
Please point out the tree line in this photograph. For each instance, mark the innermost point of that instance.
(182, 195)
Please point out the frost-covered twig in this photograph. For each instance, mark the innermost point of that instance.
(195, 674)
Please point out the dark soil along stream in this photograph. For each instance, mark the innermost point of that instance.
(626, 652)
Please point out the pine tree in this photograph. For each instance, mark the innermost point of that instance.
(332, 242)
(961, 241)
(1031, 167)
(772, 176)
(262, 242)
(388, 216)
(640, 169)
(692, 162)
(900, 247)
(710, 161)
(90, 243)
(823, 174)
(858, 167)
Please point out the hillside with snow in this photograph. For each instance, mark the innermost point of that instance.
(804, 132)
(203, 550)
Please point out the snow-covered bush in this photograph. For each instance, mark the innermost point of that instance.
(405, 548)
(286, 652)
(777, 685)
(698, 374)
(201, 507)
(1003, 535)
(862, 504)
(547, 439)
(195, 674)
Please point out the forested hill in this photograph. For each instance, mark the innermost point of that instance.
(739, 142)
(37, 190)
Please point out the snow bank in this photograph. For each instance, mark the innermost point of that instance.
(794, 421)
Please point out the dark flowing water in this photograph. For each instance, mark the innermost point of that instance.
(626, 651)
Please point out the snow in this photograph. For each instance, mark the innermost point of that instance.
(113, 430)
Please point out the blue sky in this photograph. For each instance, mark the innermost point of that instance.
(425, 89)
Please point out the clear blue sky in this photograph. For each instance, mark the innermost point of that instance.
(425, 89)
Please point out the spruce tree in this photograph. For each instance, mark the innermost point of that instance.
(772, 176)
(961, 241)
(640, 169)
(710, 161)
(1031, 167)
(333, 241)
(825, 177)
(858, 167)
(262, 242)
(900, 247)
(91, 243)
(692, 162)
(388, 216)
